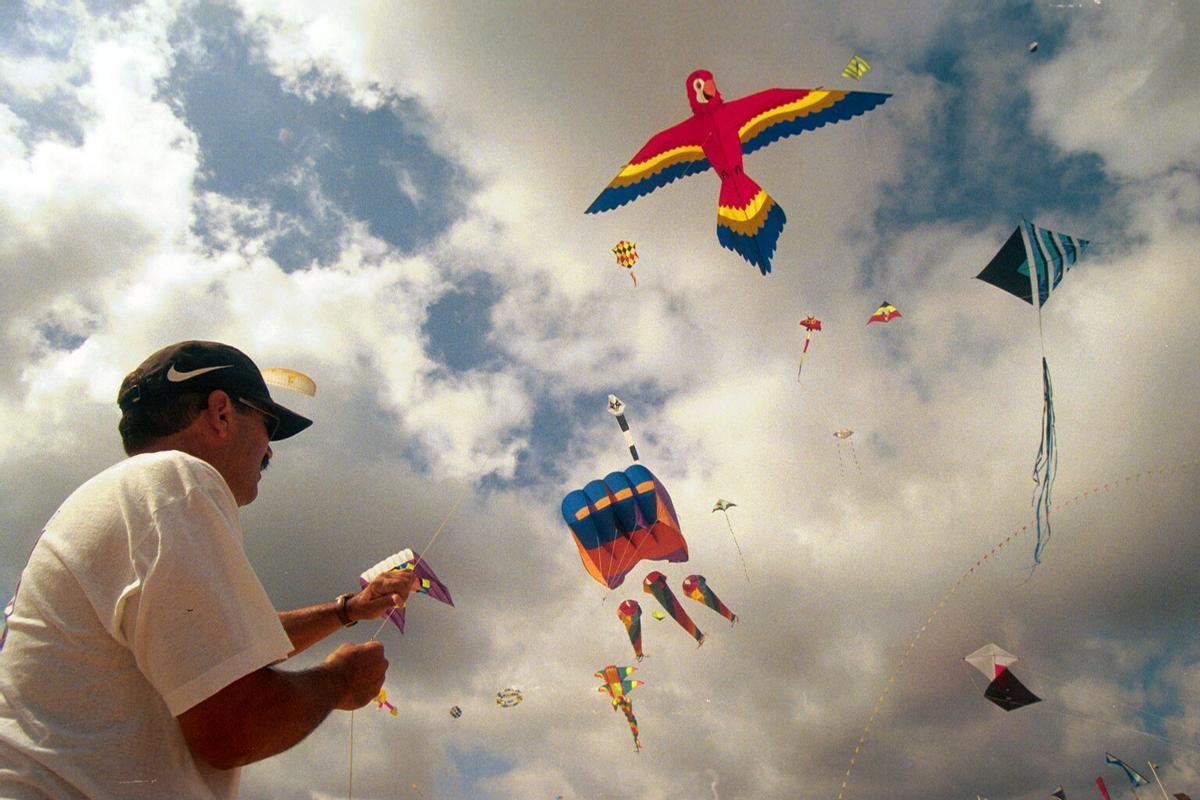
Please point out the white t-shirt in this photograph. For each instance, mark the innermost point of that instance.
(137, 603)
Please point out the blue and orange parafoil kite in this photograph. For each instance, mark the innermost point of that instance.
(621, 520)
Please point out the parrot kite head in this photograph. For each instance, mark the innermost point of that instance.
(702, 91)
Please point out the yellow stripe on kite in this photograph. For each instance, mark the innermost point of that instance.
(581, 513)
(624, 494)
(636, 171)
(815, 100)
(743, 214)
(645, 486)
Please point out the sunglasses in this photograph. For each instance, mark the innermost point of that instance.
(269, 419)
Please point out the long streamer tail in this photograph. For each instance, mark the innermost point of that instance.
(1045, 466)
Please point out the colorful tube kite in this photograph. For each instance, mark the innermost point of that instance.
(630, 614)
(618, 521)
(656, 584)
(695, 587)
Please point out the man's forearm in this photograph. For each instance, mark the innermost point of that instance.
(307, 626)
(260, 715)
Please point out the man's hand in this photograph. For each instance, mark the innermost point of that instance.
(387, 591)
(362, 668)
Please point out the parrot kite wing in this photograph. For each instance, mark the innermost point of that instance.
(772, 114)
(407, 559)
(656, 584)
(670, 154)
(695, 587)
(618, 521)
(630, 614)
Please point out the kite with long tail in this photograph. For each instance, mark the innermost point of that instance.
(809, 324)
(1032, 263)
(724, 506)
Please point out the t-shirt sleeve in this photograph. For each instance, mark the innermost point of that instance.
(200, 619)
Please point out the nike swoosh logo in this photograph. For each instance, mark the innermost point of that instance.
(175, 376)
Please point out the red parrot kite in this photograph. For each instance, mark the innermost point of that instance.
(717, 135)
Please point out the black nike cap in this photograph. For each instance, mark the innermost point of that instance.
(196, 366)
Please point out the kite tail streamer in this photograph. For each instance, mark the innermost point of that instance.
(1045, 467)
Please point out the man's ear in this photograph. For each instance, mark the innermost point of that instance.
(216, 416)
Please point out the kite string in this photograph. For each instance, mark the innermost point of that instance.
(738, 546)
(1105, 487)
(417, 560)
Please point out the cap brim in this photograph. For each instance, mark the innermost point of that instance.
(290, 423)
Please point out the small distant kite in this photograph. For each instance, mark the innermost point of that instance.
(844, 435)
(1033, 47)
(724, 506)
(617, 409)
(656, 584)
(618, 521)
(809, 324)
(1032, 263)
(381, 701)
(695, 587)
(408, 560)
(1004, 689)
(507, 698)
(630, 614)
(289, 379)
(857, 67)
(627, 256)
(885, 313)
(455, 712)
(718, 135)
(1060, 793)
(618, 685)
(658, 615)
(1136, 778)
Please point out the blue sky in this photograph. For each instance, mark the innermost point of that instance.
(391, 199)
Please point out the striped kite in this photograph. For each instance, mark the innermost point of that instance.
(717, 136)
(1033, 262)
(857, 67)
